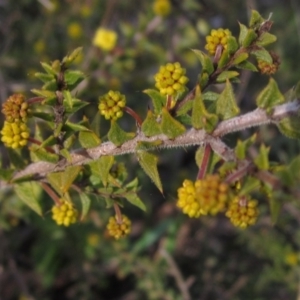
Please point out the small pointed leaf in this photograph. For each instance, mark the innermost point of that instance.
(169, 126)
(262, 54)
(290, 127)
(29, 193)
(135, 200)
(158, 100)
(227, 75)
(205, 61)
(88, 139)
(148, 162)
(150, 127)
(226, 104)
(249, 38)
(243, 33)
(101, 167)
(117, 135)
(262, 159)
(269, 96)
(266, 39)
(85, 203)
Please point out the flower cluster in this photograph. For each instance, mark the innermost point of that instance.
(205, 196)
(15, 135)
(242, 212)
(171, 79)
(118, 229)
(65, 214)
(111, 105)
(269, 68)
(15, 108)
(105, 39)
(162, 7)
(217, 37)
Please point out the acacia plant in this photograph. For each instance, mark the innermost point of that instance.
(48, 151)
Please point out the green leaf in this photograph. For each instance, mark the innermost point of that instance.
(249, 38)
(205, 60)
(158, 100)
(203, 80)
(48, 68)
(266, 39)
(73, 78)
(262, 159)
(73, 127)
(6, 174)
(16, 158)
(101, 167)
(117, 135)
(290, 127)
(67, 60)
(134, 199)
(150, 127)
(148, 162)
(240, 58)
(50, 141)
(169, 126)
(43, 77)
(185, 108)
(224, 59)
(269, 96)
(227, 75)
(50, 85)
(44, 93)
(210, 96)
(226, 106)
(42, 115)
(242, 147)
(275, 204)
(29, 193)
(247, 65)
(61, 181)
(243, 33)
(68, 101)
(41, 154)
(232, 44)
(85, 203)
(201, 118)
(77, 104)
(256, 19)
(262, 54)
(88, 139)
(250, 185)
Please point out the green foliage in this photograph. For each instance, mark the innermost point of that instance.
(96, 165)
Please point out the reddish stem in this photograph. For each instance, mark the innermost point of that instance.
(204, 162)
(239, 173)
(118, 213)
(134, 115)
(34, 141)
(51, 193)
(169, 102)
(35, 100)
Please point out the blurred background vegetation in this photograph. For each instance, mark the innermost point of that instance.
(167, 256)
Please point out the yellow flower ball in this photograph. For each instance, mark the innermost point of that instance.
(217, 37)
(119, 229)
(105, 39)
(162, 7)
(64, 214)
(74, 30)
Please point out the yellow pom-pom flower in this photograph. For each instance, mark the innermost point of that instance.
(111, 105)
(212, 194)
(171, 79)
(162, 7)
(217, 37)
(105, 39)
(206, 196)
(15, 135)
(64, 214)
(15, 108)
(74, 30)
(242, 212)
(119, 229)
